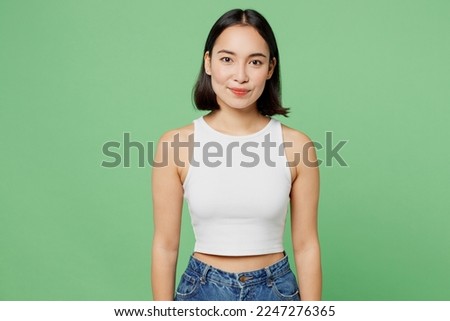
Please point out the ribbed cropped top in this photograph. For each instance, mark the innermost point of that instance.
(237, 190)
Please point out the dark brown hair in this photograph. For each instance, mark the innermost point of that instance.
(269, 103)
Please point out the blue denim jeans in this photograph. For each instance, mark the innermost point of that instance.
(202, 282)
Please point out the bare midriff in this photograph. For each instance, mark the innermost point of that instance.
(238, 264)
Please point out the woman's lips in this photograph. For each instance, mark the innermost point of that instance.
(239, 91)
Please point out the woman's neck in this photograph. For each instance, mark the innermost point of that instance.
(237, 122)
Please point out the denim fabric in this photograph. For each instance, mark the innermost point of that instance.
(202, 282)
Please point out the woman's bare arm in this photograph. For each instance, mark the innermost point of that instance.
(167, 208)
(304, 207)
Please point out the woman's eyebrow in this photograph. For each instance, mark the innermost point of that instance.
(256, 54)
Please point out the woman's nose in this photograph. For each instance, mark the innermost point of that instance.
(241, 75)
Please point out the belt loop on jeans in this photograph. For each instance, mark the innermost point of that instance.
(205, 272)
(269, 276)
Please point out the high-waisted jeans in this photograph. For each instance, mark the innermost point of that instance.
(202, 282)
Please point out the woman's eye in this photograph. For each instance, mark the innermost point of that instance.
(256, 62)
(226, 59)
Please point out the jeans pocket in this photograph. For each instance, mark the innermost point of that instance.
(286, 287)
(187, 288)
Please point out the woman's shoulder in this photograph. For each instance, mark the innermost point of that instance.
(180, 134)
(296, 137)
(299, 149)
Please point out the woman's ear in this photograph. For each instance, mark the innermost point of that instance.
(272, 65)
(207, 63)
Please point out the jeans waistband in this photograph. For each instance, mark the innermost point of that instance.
(208, 272)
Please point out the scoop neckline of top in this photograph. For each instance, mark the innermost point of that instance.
(259, 132)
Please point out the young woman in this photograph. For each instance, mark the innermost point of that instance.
(238, 169)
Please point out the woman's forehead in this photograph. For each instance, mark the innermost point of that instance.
(241, 40)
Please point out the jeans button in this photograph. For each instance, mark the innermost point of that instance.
(244, 278)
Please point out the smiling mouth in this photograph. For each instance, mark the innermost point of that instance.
(239, 92)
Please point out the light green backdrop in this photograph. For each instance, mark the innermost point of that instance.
(77, 74)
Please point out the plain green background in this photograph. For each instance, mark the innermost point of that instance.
(77, 74)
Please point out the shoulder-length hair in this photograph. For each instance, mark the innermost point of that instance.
(269, 103)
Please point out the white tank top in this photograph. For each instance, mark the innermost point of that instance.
(237, 190)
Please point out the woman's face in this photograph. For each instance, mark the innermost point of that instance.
(239, 66)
